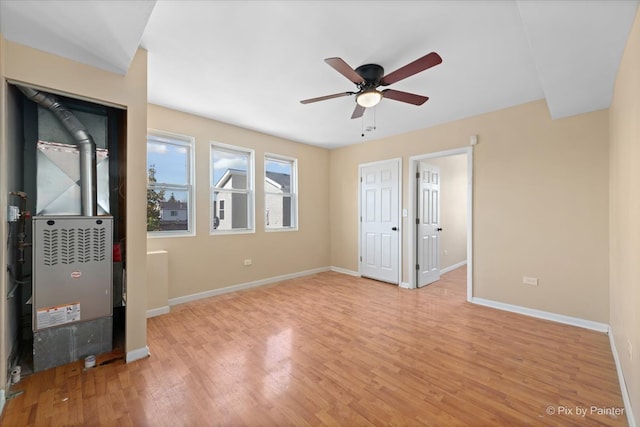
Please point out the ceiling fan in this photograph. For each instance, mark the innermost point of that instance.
(369, 77)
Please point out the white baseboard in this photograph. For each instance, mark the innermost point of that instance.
(344, 271)
(623, 385)
(137, 354)
(453, 267)
(405, 285)
(560, 318)
(158, 311)
(241, 286)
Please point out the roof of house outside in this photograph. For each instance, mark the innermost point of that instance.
(227, 175)
(282, 179)
(173, 204)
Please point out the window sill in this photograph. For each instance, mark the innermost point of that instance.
(227, 232)
(279, 230)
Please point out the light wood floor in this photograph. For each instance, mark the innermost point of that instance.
(331, 349)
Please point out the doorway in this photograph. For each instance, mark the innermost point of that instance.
(380, 225)
(440, 215)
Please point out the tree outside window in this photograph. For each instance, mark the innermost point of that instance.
(169, 184)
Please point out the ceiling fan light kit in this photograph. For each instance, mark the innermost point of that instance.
(369, 77)
(369, 98)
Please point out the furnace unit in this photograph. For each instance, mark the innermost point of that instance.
(72, 286)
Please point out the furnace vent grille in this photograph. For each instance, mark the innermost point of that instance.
(74, 245)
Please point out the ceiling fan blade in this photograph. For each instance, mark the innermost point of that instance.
(323, 98)
(358, 112)
(421, 64)
(410, 98)
(343, 68)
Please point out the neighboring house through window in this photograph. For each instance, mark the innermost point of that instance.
(280, 191)
(169, 184)
(232, 196)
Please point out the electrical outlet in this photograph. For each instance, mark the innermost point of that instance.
(248, 262)
(533, 281)
(630, 349)
(446, 252)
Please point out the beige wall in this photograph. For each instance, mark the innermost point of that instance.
(540, 190)
(203, 262)
(624, 175)
(157, 280)
(453, 208)
(33, 67)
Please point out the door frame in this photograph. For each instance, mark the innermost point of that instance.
(398, 161)
(412, 252)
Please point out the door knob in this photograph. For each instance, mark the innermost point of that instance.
(394, 228)
(439, 229)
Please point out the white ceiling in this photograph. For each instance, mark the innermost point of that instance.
(249, 63)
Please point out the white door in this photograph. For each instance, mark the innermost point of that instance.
(379, 217)
(428, 241)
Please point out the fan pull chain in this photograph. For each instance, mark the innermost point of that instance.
(369, 128)
(374, 117)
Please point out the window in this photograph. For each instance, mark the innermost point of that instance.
(232, 196)
(280, 192)
(170, 204)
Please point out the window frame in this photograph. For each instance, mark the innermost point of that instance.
(250, 190)
(187, 142)
(293, 191)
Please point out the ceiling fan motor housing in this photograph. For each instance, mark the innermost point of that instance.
(371, 73)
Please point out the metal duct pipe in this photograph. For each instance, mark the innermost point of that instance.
(84, 142)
